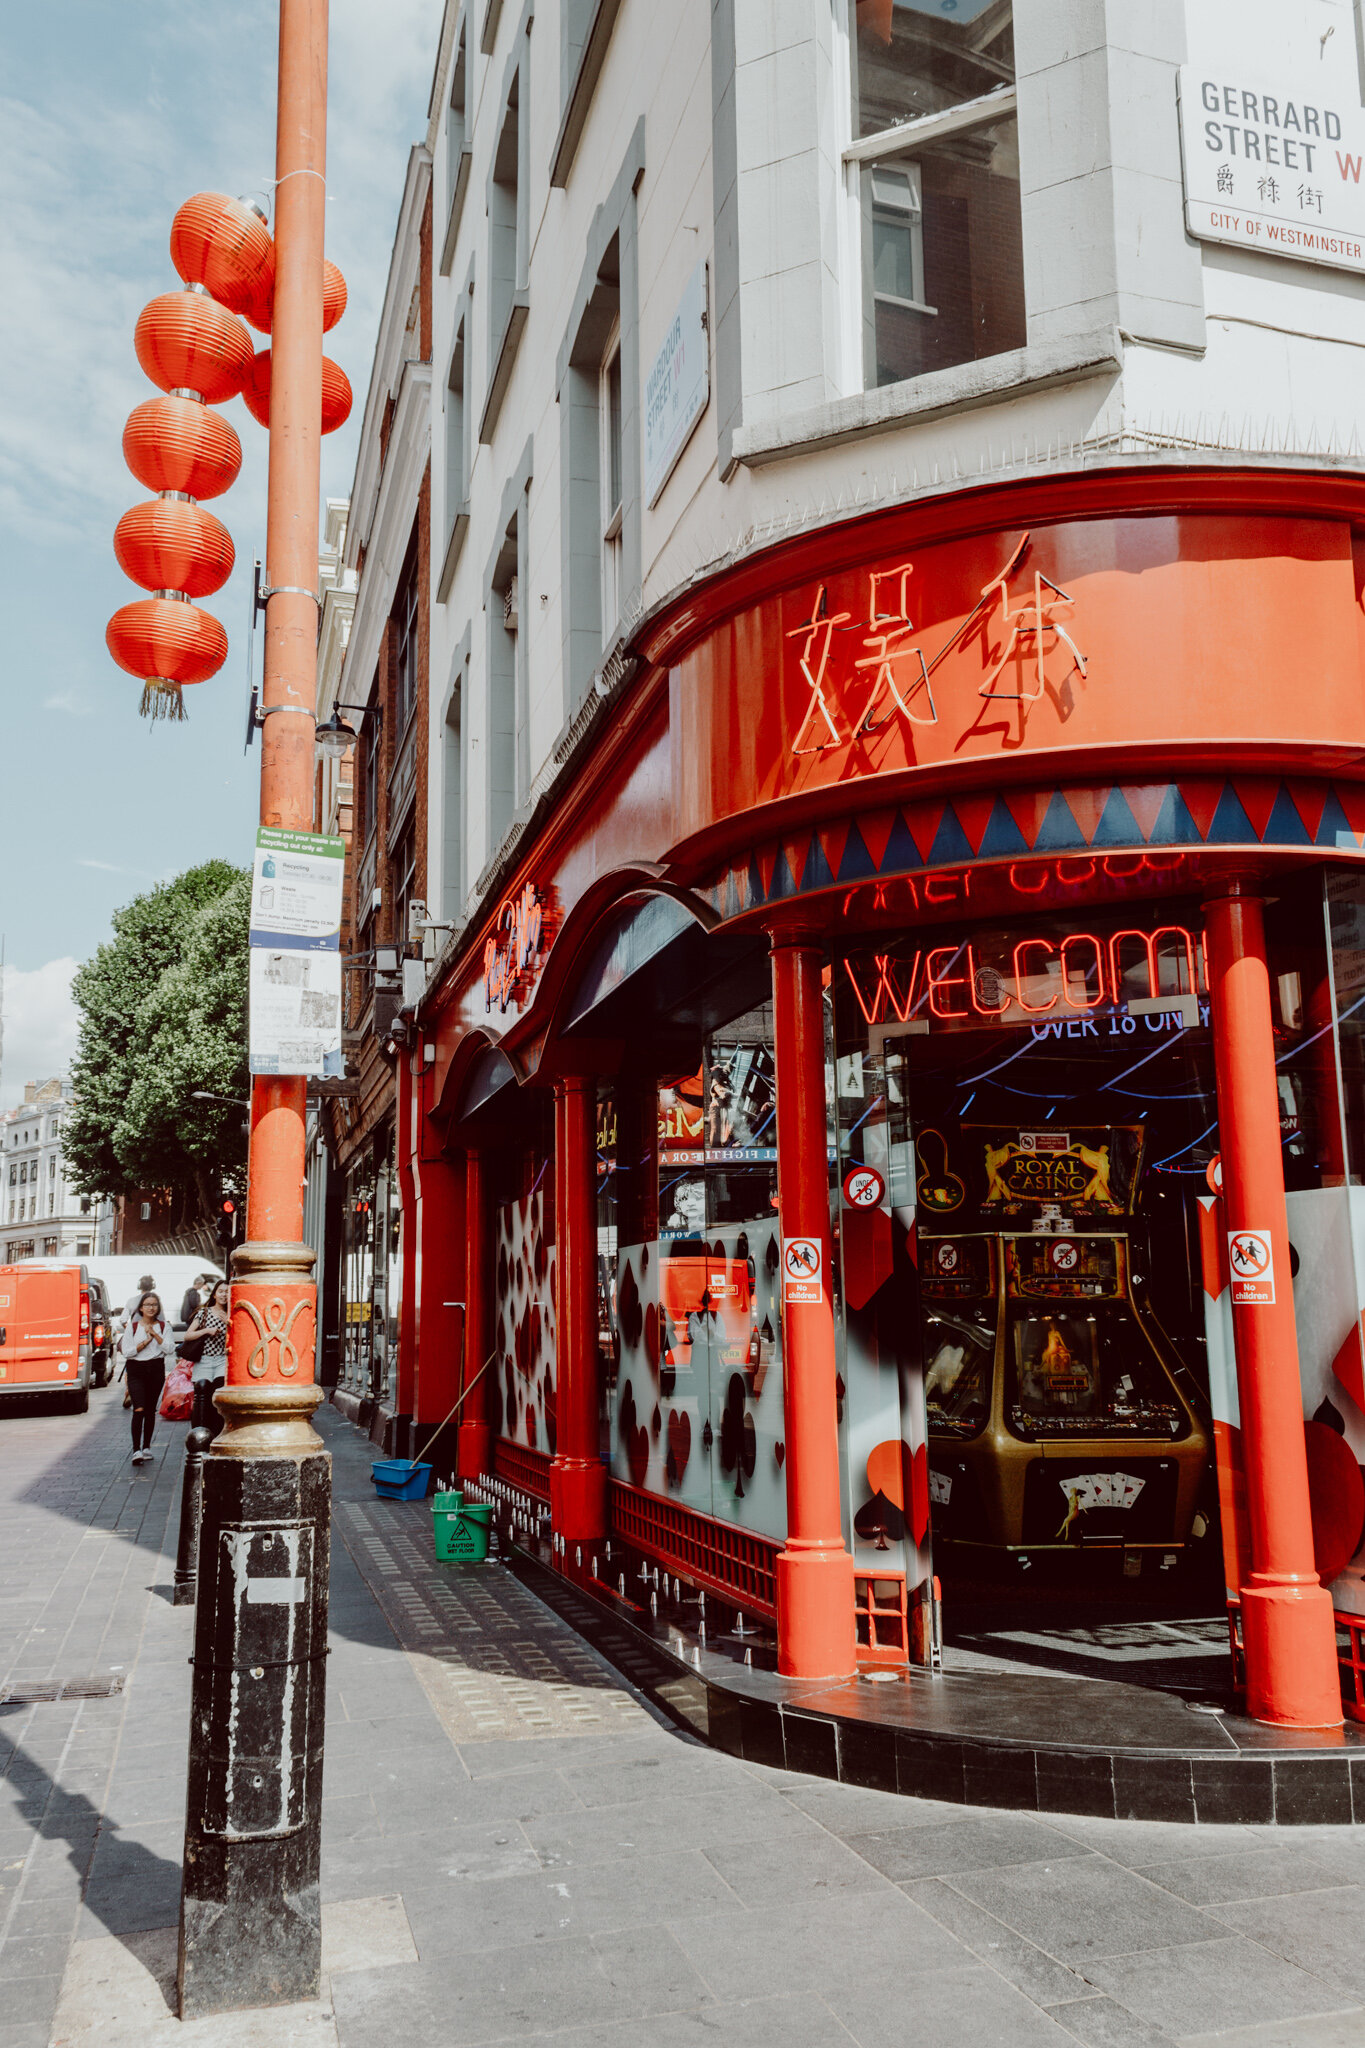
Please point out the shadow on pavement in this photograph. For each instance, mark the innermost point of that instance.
(125, 1885)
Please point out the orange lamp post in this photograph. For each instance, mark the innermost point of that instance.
(250, 1929)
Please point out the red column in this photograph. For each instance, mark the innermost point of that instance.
(404, 1149)
(1286, 1614)
(578, 1478)
(475, 1434)
(438, 1239)
(815, 1637)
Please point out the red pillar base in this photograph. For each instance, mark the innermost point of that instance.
(472, 1456)
(578, 1499)
(815, 1635)
(1290, 1641)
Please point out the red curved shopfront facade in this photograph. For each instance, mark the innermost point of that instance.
(1063, 774)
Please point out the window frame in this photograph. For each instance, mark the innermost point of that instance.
(370, 731)
(892, 148)
(914, 217)
(611, 457)
(406, 615)
(459, 155)
(403, 876)
(509, 235)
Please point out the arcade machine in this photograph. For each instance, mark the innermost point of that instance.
(1060, 1416)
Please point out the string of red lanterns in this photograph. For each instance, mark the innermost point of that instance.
(193, 345)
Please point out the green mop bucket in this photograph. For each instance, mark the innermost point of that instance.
(462, 1533)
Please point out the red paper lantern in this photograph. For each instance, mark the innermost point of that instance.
(225, 245)
(334, 299)
(333, 296)
(167, 642)
(336, 393)
(170, 544)
(185, 341)
(176, 444)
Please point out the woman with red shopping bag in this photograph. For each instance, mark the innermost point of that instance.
(205, 1351)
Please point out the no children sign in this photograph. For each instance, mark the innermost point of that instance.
(803, 1271)
(1251, 1269)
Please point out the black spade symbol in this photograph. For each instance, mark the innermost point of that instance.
(770, 1256)
(839, 1392)
(767, 1331)
(742, 1245)
(738, 1442)
(1325, 1412)
(708, 1437)
(630, 1314)
(878, 1520)
(656, 1422)
(668, 1378)
(644, 1259)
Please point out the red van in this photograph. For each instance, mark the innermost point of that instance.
(45, 1330)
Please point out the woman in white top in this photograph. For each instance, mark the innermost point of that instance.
(148, 1346)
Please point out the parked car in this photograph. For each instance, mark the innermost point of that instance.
(45, 1330)
(101, 1334)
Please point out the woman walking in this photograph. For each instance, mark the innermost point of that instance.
(148, 1346)
(207, 1334)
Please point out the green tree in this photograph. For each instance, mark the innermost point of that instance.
(163, 1012)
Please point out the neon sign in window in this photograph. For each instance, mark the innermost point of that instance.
(995, 978)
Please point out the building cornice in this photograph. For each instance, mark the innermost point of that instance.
(390, 351)
(399, 486)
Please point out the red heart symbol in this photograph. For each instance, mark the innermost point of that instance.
(637, 1453)
(679, 1444)
(780, 1453)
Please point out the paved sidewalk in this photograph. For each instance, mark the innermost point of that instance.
(514, 1846)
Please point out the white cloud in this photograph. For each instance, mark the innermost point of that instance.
(39, 1024)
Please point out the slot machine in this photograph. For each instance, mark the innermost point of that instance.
(1060, 1417)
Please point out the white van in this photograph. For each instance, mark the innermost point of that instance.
(171, 1275)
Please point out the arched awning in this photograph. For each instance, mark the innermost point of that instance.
(653, 961)
(489, 1074)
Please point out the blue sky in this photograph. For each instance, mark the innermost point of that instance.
(109, 118)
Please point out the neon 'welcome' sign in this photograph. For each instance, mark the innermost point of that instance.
(990, 979)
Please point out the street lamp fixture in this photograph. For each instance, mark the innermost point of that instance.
(336, 735)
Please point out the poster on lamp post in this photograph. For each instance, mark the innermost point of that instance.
(296, 887)
(295, 998)
(295, 952)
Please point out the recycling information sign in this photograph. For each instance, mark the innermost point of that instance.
(295, 974)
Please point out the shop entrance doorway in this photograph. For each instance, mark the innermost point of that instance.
(1039, 1106)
